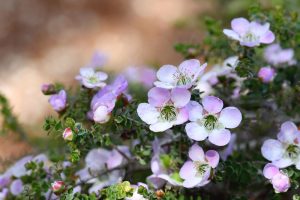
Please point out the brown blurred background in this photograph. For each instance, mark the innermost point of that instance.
(48, 41)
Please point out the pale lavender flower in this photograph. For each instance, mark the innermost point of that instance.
(165, 108)
(266, 74)
(210, 78)
(277, 56)
(58, 101)
(185, 76)
(196, 172)
(98, 60)
(212, 121)
(90, 78)
(16, 187)
(99, 160)
(4, 192)
(104, 101)
(285, 151)
(141, 75)
(250, 34)
(162, 173)
(279, 180)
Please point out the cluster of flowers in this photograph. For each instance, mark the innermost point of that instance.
(11, 183)
(170, 104)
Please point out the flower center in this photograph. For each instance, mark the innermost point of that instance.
(250, 37)
(168, 113)
(210, 122)
(200, 167)
(293, 151)
(182, 79)
(93, 79)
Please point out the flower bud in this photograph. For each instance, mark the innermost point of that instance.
(68, 134)
(266, 74)
(57, 186)
(48, 89)
(281, 182)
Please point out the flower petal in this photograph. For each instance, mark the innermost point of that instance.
(231, 34)
(164, 85)
(195, 111)
(272, 150)
(192, 68)
(283, 162)
(147, 113)
(157, 97)
(288, 132)
(182, 116)
(219, 137)
(267, 38)
(240, 25)
(166, 73)
(156, 181)
(195, 131)
(230, 117)
(192, 182)
(196, 153)
(188, 170)
(101, 114)
(213, 158)
(270, 170)
(180, 97)
(115, 159)
(160, 126)
(212, 104)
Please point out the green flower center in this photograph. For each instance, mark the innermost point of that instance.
(210, 122)
(183, 79)
(201, 167)
(168, 113)
(93, 79)
(250, 37)
(293, 151)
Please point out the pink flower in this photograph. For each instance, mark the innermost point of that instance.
(162, 173)
(212, 121)
(104, 101)
(99, 160)
(266, 74)
(276, 56)
(57, 186)
(165, 108)
(185, 76)
(90, 78)
(68, 134)
(279, 180)
(143, 75)
(98, 60)
(196, 172)
(284, 151)
(250, 34)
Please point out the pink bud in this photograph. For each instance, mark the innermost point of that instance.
(57, 186)
(68, 134)
(266, 74)
(48, 89)
(280, 182)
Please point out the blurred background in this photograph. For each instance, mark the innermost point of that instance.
(48, 41)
